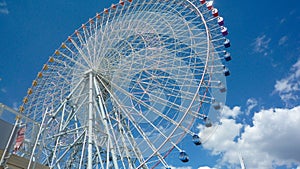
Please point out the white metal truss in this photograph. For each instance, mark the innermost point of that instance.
(127, 87)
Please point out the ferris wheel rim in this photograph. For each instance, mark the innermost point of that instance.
(209, 52)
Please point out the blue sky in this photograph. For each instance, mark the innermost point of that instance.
(263, 89)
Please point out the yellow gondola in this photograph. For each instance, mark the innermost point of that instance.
(63, 45)
(25, 100)
(40, 74)
(21, 109)
(45, 67)
(57, 52)
(34, 83)
(29, 92)
(51, 59)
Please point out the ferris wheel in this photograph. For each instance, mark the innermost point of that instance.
(128, 86)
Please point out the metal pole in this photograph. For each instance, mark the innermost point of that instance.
(9, 144)
(90, 123)
(37, 140)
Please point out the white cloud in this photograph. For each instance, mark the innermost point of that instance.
(273, 140)
(251, 103)
(172, 167)
(205, 167)
(288, 87)
(282, 40)
(3, 90)
(233, 113)
(15, 106)
(261, 45)
(282, 20)
(3, 8)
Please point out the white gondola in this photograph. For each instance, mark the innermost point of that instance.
(227, 43)
(227, 56)
(221, 21)
(215, 12)
(209, 5)
(224, 31)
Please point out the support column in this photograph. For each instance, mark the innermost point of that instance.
(90, 123)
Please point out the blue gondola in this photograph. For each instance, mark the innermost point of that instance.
(226, 72)
(227, 56)
(183, 157)
(224, 31)
(196, 140)
(227, 43)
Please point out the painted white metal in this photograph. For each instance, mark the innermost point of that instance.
(90, 124)
(128, 86)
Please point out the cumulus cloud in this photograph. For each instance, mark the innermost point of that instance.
(206, 167)
(288, 87)
(251, 103)
(272, 140)
(172, 167)
(261, 45)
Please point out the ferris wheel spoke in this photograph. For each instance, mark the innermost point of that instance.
(88, 45)
(154, 110)
(132, 21)
(186, 94)
(129, 136)
(72, 60)
(156, 128)
(142, 133)
(107, 125)
(110, 141)
(111, 138)
(62, 155)
(124, 144)
(124, 110)
(85, 58)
